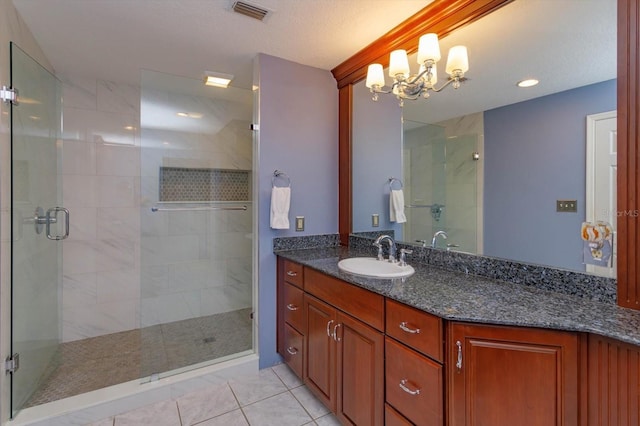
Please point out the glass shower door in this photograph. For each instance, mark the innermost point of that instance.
(196, 242)
(37, 224)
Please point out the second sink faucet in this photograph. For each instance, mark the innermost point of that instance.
(392, 247)
(434, 241)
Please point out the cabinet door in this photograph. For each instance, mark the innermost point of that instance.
(512, 376)
(360, 366)
(320, 368)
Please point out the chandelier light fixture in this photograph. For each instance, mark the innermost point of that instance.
(407, 86)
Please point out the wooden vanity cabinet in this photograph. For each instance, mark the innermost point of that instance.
(613, 377)
(414, 374)
(290, 331)
(345, 356)
(341, 327)
(511, 376)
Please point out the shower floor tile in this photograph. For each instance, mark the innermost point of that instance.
(89, 364)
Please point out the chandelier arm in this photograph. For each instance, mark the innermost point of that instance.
(451, 80)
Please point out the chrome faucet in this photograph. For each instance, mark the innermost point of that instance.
(435, 238)
(392, 247)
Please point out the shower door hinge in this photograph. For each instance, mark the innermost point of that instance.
(12, 363)
(9, 95)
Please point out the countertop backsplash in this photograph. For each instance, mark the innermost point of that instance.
(573, 283)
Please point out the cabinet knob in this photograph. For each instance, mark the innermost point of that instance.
(459, 361)
(404, 326)
(404, 387)
(292, 307)
(292, 350)
(292, 273)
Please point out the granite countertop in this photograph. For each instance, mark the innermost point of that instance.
(461, 297)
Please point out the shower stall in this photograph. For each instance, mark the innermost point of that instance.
(132, 230)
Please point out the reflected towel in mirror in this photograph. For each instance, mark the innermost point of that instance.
(396, 206)
(280, 202)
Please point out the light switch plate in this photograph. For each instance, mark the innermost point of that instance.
(375, 220)
(567, 206)
(299, 223)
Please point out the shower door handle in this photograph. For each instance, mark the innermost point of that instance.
(52, 217)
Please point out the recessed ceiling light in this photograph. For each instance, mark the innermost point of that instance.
(189, 114)
(217, 79)
(129, 127)
(528, 82)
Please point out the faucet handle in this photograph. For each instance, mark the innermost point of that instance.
(403, 257)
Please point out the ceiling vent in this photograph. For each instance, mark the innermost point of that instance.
(250, 10)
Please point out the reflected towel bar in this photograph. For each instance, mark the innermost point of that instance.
(192, 209)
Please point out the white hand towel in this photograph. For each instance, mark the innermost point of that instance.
(396, 206)
(280, 201)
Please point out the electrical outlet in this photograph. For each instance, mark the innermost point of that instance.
(299, 223)
(567, 206)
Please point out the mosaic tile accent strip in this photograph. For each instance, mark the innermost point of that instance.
(306, 242)
(187, 184)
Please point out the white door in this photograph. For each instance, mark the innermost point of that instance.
(602, 150)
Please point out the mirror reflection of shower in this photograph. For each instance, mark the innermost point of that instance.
(441, 182)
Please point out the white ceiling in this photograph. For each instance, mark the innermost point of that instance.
(114, 39)
(563, 43)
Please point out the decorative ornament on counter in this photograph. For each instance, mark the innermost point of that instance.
(598, 243)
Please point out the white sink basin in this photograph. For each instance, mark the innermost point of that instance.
(372, 267)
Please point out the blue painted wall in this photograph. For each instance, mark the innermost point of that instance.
(298, 109)
(377, 155)
(535, 154)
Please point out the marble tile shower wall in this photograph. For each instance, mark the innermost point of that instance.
(101, 181)
(125, 267)
(199, 262)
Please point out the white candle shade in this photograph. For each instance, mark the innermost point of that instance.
(399, 63)
(375, 76)
(457, 60)
(428, 48)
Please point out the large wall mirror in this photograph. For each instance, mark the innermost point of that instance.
(516, 156)
(487, 163)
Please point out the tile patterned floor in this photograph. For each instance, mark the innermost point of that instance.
(89, 364)
(272, 397)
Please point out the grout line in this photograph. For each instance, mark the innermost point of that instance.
(178, 408)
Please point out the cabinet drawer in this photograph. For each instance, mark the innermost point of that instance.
(293, 349)
(293, 273)
(393, 418)
(293, 306)
(363, 304)
(413, 384)
(418, 329)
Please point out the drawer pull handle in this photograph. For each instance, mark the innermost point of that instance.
(405, 327)
(292, 273)
(403, 386)
(329, 328)
(292, 350)
(335, 332)
(292, 307)
(459, 361)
